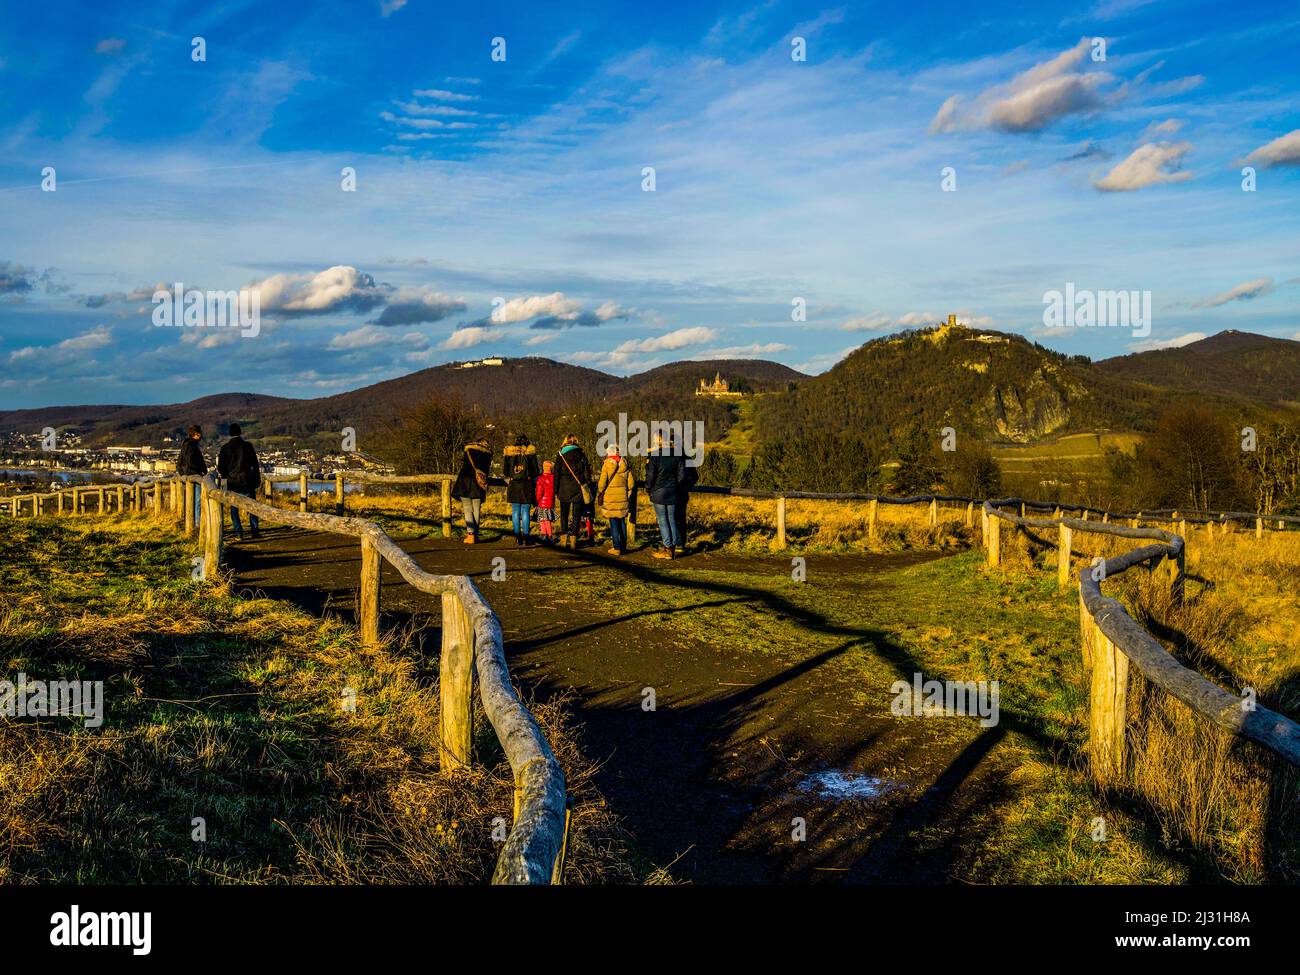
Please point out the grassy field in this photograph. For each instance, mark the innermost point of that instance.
(229, 708)
(1201, 806)
(1072, 465)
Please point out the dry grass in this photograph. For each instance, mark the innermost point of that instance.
(716, 521)
(1210, 793)
(229, 707)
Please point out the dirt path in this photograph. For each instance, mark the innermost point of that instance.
(752, 732)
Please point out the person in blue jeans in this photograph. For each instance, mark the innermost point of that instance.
(664, 474)
(191, 463)
(519, 465)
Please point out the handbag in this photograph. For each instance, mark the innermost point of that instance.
(479, 477)
(586, 488)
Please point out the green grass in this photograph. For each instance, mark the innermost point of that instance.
(949, 619)
(230, 709)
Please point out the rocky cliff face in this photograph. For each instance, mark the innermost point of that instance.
(1026, 411)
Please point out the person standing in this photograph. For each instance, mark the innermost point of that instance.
(191, 463)
(614, 494)
(572, 488)
(237, 464)
(472, 484)
(663, 475)
(690, 477)
(520, 468)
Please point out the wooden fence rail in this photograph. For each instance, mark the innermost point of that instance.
(472, 646)
(1111, 639)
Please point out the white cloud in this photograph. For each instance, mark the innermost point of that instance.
(1033, 99)
(1155, 130)
(467, 338)
(446, 96)
(1282, 151)
(522, 309)
(110, 45)
(744, 351)
(1148, 165)
(541, 338)
(1242, 292)
(339, 288)
(97, 338)
(361, 338)
(669, 341)
(1150, 345)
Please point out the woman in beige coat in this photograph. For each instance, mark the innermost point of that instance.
(614, 496)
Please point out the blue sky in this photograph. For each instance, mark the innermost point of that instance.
(520, 181)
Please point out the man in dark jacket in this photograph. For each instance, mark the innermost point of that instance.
(519, 466)
(237, 464)
(664, 474)
(190, 462)
(470, 487)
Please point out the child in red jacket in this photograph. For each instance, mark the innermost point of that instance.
(546, 502)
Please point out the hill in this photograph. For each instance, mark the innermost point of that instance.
(1238, 366)
(520, 387)
(995, 386)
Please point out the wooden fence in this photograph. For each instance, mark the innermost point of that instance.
(1110, 638)
(533, 852)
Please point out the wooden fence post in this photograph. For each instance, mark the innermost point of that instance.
(934, 512)
(1175, 568)
(446, 508)
(137, 496)
(1086, 629)
(268, 487)
(213, 525)
(174, 496)
(157, 498)
(368, 604)
(338, 492)
(873, 508)
(1109, 704)
(970, 513)
(60, 502)
(1064, 545)
(994, 539)
(456, 685)
(1259, 527)
(302, 490)
(203, 513)
(780, 522)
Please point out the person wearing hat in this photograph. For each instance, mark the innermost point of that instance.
(519, 465)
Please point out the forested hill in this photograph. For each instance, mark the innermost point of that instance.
(994, 386)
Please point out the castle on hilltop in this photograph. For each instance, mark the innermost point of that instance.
(719, 387)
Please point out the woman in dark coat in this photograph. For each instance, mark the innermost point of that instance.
(519, 466)
(572, 472)
(470, 487)
(665, 473)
